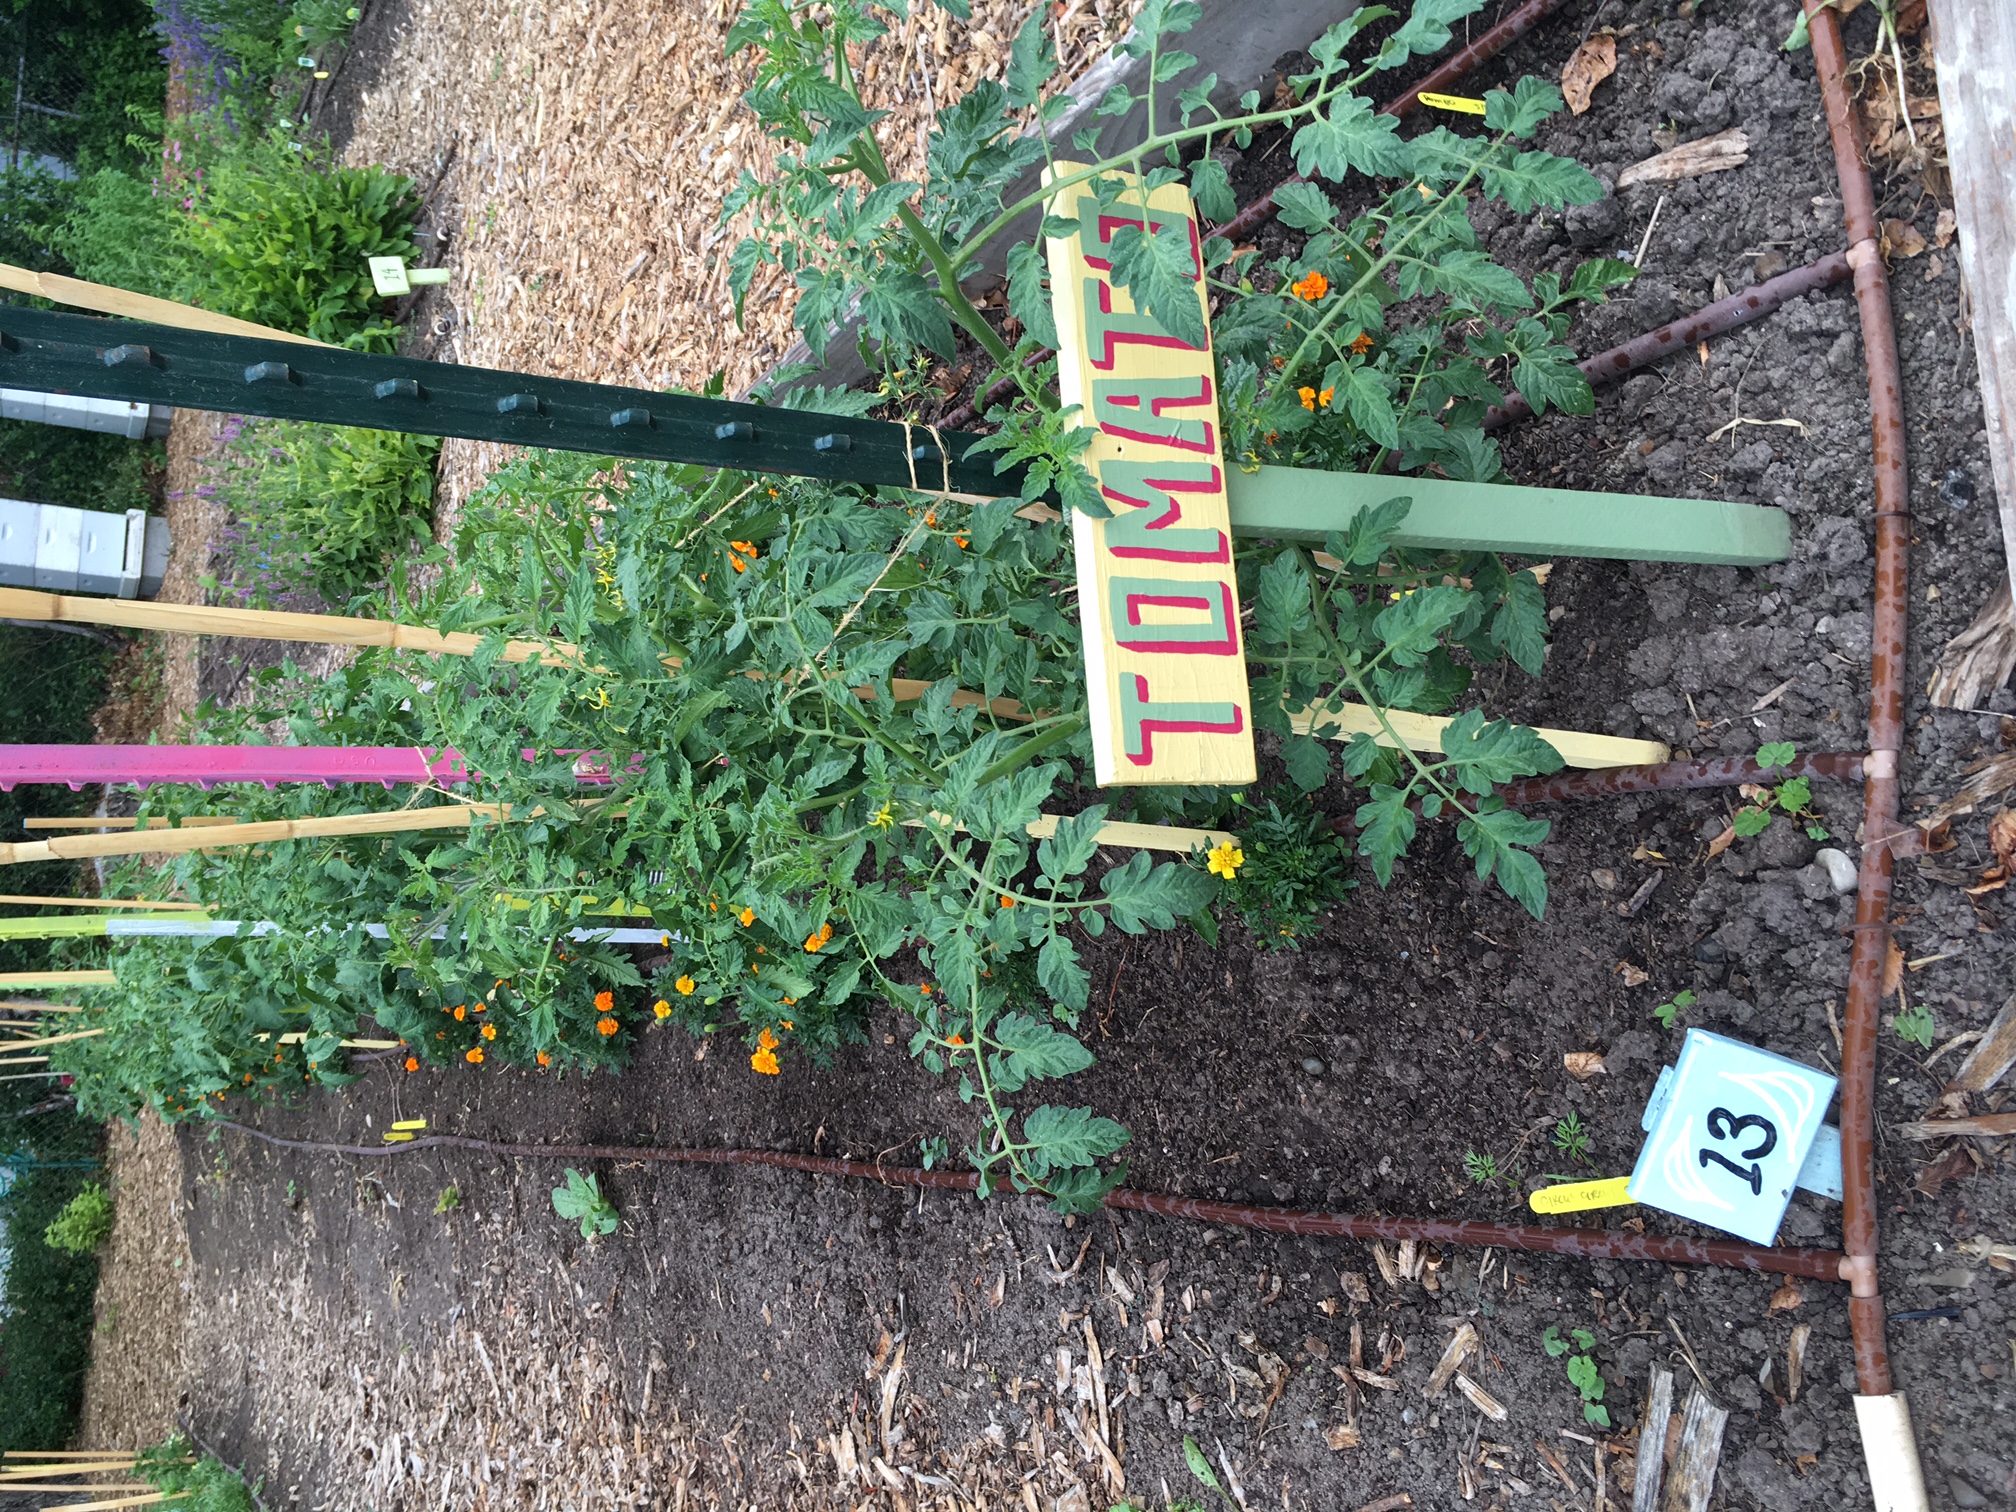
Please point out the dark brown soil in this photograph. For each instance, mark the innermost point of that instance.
(1430, 1019)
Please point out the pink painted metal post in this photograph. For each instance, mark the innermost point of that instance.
(205, 766)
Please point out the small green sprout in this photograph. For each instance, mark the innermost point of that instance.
(1572, 1139)
(1669, 1010)
(582, 1198)
(1583, 1372)
(1481, 1167)
(1914, 1025)
(449, 1200)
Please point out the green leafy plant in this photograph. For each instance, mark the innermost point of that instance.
(1292, 866)
(1915, 1025)
(581, 1198)
(196, 1481)
(1481, 1167)
(85, 1222)
(1571, 1138)
(1200, 1467)
(1669, 1011)
(451, 1199)
(1793, 797)
(326, 507)
(1583, 1372)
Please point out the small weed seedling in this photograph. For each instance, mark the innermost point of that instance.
(451, 1199)
(582, 1198)
(1914, 1025)
(1793, 796)
(1571, 1139)
(1201, 1468)
(1669, 1010)
(1582, 1372)
(1481, 1167)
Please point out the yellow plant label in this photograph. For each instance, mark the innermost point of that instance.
(411, 1123)
(1462, 103)
(397, 1138)
(1580, 1196)
(1158, 602)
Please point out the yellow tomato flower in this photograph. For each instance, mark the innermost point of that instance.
(884, 817)
(1226, 859)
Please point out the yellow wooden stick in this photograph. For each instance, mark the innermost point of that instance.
(145, 903)
(25, 1060)
(56, 979)
(183, 841)
(24, 1004)
(106, 1506)
(107, 300)
(101, 1466)
(1424, 733)
(48, 1039)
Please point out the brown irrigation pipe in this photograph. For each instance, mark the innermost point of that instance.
(1886, 712)
(1738, 309)
(1485, 48)
(1587, 1243)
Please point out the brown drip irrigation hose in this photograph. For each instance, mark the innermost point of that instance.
(1485, 48)
(1886, 709)
(1589, 1243)
(1724, 315)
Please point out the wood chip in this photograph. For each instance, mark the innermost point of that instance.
(1988, 1126)
(1633, 976)
(1715, 154)
(1692, 1481)
(1355, 1285)
(1461, 1344)
(1583, 1064)
(1990, 1060)
(1343, 1436)
(1592, 63)
(1370, 1378)
(1795, 1360)
(1391, 1503)
(1652, 1443)
(1384, 1260)
(1481, 1399)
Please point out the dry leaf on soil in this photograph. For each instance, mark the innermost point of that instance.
(1725, 149)
(1583, 1064)
(1722, 841)
(2002, 838)
(1902, 239)
(1893, 970)
(1787, 1297)
(1633, 976)
(1594, 61)
(1343, 1436)
(1945, 228)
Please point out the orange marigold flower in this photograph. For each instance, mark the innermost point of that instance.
(765, 1061)
(544, 1059)
(1308, 397)
(684, 986)
(489, 1031)
(765, 1040)
(604, 1001)
(474, 1055)
(925, 988)
(461, 1012)
(787, 1023)
(1324, 397)
(1361, 343)
(747, 916)
(606, 1026)
(812, 944)
(737, 563)
(747, 548)
(1313, 286)
(958, 1039)
(961, 542)
(662, 1009)
(1007, 900)
(412, 1063)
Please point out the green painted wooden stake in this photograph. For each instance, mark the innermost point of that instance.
(1298, 504)
(120, 359)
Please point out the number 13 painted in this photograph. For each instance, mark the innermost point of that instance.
(1722, 1124)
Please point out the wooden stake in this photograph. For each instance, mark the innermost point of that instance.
(23, 1003)
(179, 842)
(164, 906)
(1697, 1456)
(1423, 732)
(55, 978)
(106, 1506)
(106, 300)
(266, 624)
(49, 1039)
(25, 1060)
(1652, 1443)
(92, 1463)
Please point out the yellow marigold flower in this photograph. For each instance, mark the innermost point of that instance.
(662, 1009)
(604, 1001)
(1226, 859)
(1313, 286)
(606, 1026)
(747, 916)
(765, 1040)
(1361, 343)
(489, 1031)
(684, 986)
(787, 1023)
(1308, 397)
(474, 1055)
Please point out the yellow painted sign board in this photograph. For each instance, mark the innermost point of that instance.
(1165, 664)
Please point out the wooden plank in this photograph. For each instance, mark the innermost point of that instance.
(56, 978)
(1692, 1482)
(1158, 602)
(1974, 50)
(1298, 504)
(106, 300)
(1991, 1058)
(1423, 732)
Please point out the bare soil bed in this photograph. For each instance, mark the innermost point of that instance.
(764, 1339)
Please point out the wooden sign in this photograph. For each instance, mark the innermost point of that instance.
(1158, 603)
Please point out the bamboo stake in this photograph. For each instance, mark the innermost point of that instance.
(9, 1487)
(106, 1506)
(41, 1007)
(55, 978)
(104, 822)
(49, 1039)
(267, 624)
(106, 300)
(165, 905)
(99, 1466)
(25, 1060)
(181, 842)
